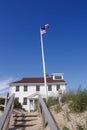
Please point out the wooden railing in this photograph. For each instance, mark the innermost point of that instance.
(46, 115)
(5, 118)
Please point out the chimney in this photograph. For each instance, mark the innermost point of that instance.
(47, 76)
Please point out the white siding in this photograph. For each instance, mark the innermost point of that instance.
(32, 90)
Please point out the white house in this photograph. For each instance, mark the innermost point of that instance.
(26, 89)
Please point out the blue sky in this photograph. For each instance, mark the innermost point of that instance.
(65, 43)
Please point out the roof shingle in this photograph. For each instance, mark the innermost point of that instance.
(38, 80)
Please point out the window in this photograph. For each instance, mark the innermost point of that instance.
(37, 88)
(57, 87)
(17, 99)
(25, 88)
(24, 101)
(49, 88)
(17, 88)
(58, 77)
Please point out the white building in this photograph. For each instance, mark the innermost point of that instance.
(26, 89)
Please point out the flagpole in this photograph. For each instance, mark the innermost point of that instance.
(44, 66)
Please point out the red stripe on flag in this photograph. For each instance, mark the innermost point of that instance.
(43, 31)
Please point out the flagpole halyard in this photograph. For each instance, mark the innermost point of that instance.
(44, 66)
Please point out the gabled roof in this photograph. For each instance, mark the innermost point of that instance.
(38, 80)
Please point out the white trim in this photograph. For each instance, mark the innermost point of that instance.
(22, 84)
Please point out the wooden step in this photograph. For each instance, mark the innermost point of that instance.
(25, 121)
(25, 115)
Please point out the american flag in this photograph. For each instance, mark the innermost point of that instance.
(43, 30)
(46, 26)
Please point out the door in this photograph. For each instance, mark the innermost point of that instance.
(31, 105)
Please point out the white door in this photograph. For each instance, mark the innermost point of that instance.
(31, 105)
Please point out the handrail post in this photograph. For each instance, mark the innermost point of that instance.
(6, 100)
(43, 119)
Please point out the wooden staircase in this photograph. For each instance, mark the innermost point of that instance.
(21, 120)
